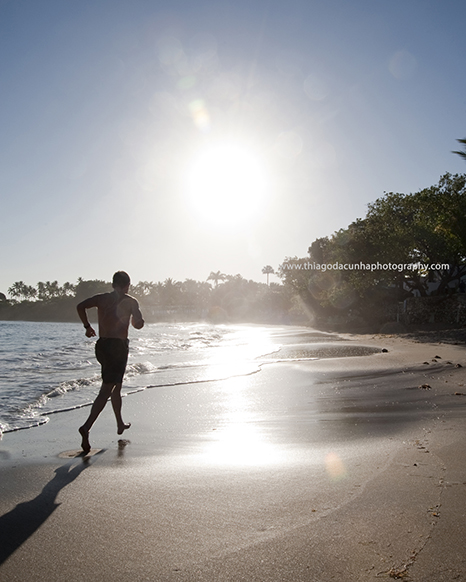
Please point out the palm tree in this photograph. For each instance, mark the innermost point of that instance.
(216, 277)
(68, 289)
(20, 289)
(171, 291)
(48, 290)
(462, 154)
(16, 290)
(142, 289)
(268, 270)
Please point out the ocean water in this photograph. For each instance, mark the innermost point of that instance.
(47, 368)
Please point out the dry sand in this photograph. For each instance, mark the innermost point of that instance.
(337, 469)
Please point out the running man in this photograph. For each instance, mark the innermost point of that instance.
(115, 311)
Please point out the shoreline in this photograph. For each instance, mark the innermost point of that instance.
(399, 354)
(345, 467)
(317, 351)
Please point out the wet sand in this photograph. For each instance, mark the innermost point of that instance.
(348, 468)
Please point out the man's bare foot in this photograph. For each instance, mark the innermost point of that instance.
(85, 444)
(123, 427)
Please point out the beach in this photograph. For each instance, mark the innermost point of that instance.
(344, 468)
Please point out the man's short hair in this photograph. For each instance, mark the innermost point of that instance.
(121, 280)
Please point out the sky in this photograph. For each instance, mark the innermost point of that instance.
(173, 138)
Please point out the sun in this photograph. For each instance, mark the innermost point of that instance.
(226, 184)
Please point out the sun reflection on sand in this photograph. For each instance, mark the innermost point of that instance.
(240, 440)
(248, 426)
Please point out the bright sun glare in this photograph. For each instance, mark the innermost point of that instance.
(226, 184)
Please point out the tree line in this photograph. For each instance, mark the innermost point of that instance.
(410, 232)
(220, 298)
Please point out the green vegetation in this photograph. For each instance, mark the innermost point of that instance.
(404, 235)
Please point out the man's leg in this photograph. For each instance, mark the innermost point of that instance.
(97, 407)
(116, 404)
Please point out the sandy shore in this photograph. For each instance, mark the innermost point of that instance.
(337, 469)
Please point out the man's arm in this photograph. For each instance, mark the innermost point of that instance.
(81, 309)
(136, 316)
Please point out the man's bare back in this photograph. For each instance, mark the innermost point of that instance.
(115, 311)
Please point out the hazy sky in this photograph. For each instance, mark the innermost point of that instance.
(174, 138)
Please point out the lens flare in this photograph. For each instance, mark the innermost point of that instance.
(200, 115)
(335, 467)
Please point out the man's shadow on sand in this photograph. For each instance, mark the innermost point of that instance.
(20, 523)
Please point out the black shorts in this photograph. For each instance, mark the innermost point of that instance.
(112, 354)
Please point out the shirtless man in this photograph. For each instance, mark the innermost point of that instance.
(115, 311)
